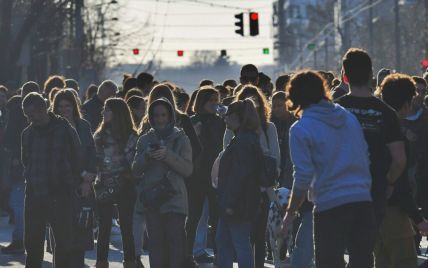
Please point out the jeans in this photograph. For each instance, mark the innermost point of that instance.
(139, 228)
(16, 202)
(258, 233)
(303, 253)
(200, 243)
(125, 204)
(167, 239)
(234, 237)
(350, 226)
(58, 213)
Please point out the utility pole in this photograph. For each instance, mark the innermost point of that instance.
(371, 27)
(397, 36)
(326, 53)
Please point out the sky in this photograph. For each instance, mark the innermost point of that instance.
(161, 27)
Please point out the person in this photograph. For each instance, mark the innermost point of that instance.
(342, 89)
(206, 82)
(183, 100)
(239, 169)
(133, 92)
(337, 174)
(270, 146)
(52, 82)
(189, 109)
(4, 158)
(210, 130)
(283, 120)
(50, 156)
(128, 84)
(164, 153)
(249, 75)
(71, 83)
(265, 84)
(13, 182)
(115, 143)
(281, 82)
(380, 125)
(395, 245)
(92, 109)
(137, 104)
(145, 83)
(230, 83)
(66, 105)
(90, 92)
(223, 91)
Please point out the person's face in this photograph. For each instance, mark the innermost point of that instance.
(161, 116)
(107, 114)
(140, 111)
(36, 116)
(421, 90)
(3, 99)
(279, 109)
(211, 105)
(65, 109)
(232, 121)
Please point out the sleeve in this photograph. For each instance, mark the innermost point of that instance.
(24, 148)
(194, 140)
(91, 157)
(74, 146)
(99, 152)
(181, 162)
(274, 144)
(140, 158)
(300, 150)
(227, 138)
(392, 128)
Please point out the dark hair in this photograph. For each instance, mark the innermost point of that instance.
(52, 94)
(230, 83)
(206, 82)
(397, 89)
(281, 82)
(52, 82)
(247, 114)
(133, 92)
(28, 87)
(263, 110)
(419, 80)
(71, 83)
(129, 84)
(133, 103)
(67, 95)
(144, 80)
(358, 67)
(182, 98)
(204, 95)
(279, 95)
(34, 99)
(306, 88)
(90, 91)
(222, 90)
(122, 123)
(335, 83)
(189, 109)
(249, 74)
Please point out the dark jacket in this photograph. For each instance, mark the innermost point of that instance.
(211, 139)
(50, 156)
(92, 110)
(12, 136)
(238, 178)
(88, 152)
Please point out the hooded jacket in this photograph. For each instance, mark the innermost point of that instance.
(177, 164)
(330, 157)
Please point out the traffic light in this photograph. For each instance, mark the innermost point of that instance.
(425, 63)
(136, 51)
(240, 23)
(266, 51)
(254, 23)
(180, 53)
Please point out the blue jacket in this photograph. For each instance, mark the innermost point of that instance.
(330, 157)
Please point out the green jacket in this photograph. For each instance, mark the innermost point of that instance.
(177, 164)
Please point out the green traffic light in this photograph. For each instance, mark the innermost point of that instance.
(266, 51)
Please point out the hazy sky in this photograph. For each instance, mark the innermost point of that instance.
(191, 25)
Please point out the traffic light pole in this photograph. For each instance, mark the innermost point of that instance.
(397, 36)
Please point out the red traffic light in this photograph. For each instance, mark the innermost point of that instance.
(425, 63)
(180, 53)
(136, 51)
(254, 16)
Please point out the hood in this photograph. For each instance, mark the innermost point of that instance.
(168, 130)
(329, 113)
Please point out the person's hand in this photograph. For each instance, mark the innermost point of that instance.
(423, 228)
(159, 154)
(86, 188)
(286, 222)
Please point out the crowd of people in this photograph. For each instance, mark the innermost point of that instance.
(183, 173)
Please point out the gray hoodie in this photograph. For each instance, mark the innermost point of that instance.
(330, 157)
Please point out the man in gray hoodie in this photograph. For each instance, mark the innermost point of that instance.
(334, 170)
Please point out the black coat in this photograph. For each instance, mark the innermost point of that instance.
(92, 110)
(239, 177)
